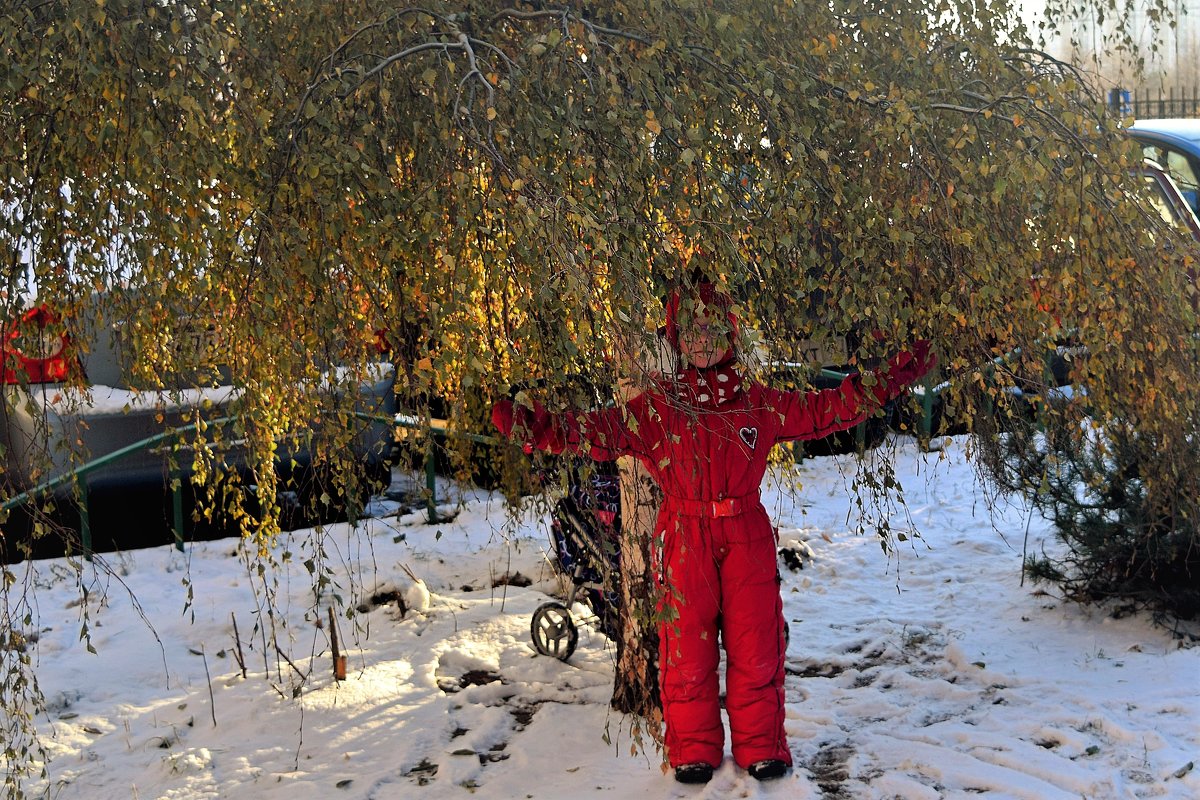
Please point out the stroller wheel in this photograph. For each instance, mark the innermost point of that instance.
(553, 631)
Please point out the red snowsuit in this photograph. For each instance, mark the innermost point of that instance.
(718, 565)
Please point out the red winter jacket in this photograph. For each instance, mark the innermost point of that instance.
(701, 449)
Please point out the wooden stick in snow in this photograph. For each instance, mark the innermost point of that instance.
(339, 660)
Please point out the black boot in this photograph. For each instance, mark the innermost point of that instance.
(768, 770)
(694, 773)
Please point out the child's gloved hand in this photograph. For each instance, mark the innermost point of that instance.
(911, 365)
(504, 417)
(903, 369)
(533, 427)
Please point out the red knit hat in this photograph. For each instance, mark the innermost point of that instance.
(704, 293)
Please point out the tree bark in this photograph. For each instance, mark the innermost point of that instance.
(635, 688)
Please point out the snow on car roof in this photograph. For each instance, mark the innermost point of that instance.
(1184, 128)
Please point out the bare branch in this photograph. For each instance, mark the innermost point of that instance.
(489, 46)
(970, 110)
(379, 24)
(403, 54)
(566, 16)
(512, 13)
(465, 45)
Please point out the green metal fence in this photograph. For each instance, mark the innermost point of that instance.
(80, 473)
(434, 429)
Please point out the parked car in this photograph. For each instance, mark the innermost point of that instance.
(823, 364)
(1173, 144)
(1163, 194)
(48, 429)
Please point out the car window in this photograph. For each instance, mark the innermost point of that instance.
(1181, 167)
(1157, 197)
(1162, 195)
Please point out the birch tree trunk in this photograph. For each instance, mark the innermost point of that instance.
(635, 689)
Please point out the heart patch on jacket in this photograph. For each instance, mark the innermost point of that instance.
(749, 436)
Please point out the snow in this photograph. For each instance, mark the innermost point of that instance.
(109, 400)
(930, 673)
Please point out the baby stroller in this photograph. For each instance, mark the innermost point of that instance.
(585, 542)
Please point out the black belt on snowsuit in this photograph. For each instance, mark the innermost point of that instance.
(714, 509)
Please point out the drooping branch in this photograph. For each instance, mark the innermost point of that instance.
(407, 53)
(567, 16)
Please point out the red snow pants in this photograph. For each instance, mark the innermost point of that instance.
(720, 576)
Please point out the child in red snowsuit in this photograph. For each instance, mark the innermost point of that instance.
(705, 438)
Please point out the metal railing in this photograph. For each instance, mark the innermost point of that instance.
(436, 428)
(77, 474)
(1147, 103)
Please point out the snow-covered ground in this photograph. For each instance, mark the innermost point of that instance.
(930, 674)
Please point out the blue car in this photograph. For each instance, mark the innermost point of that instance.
(1174, 144)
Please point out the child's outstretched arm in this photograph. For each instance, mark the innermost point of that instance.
(599, 435)
(812, 415)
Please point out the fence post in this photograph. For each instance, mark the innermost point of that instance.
(1114, 99)
(430, 481)
(177, 510)
(85, 524)
(926, 429)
